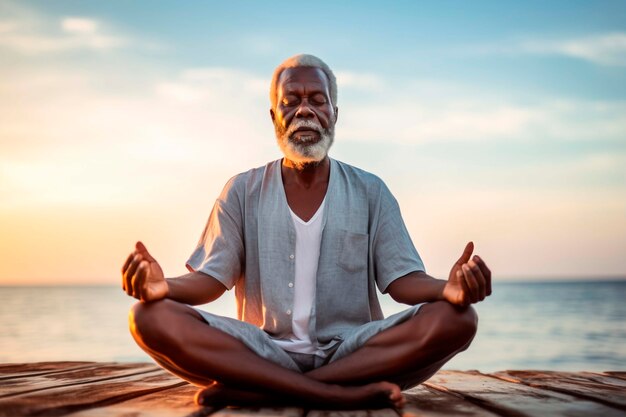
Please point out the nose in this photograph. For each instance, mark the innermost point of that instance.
(304, 110)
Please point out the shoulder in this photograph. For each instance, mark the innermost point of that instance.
(245, 182)
(372, 184)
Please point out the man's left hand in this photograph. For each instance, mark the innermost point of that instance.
(469, 281)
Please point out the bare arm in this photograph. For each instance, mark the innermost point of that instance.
(194, 288)
(142, 278)
(469, 282)
(416, 287)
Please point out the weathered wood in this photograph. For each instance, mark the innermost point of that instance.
(575, 384)
(73, 376)
(178, 402)
(617, 374)
(514, 399)
(602, 378)
(259, 412)
(173, 402)
(65, 399)
(427, 402)
(39, 366)
(385, 412)
(89, 389)
(8, 371)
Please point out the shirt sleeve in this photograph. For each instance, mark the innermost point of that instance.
(393, 250)
(220, 250)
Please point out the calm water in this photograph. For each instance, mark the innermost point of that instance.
(557, 326)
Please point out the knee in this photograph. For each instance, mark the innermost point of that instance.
(147, 322)
(468, 325)
(453, 326)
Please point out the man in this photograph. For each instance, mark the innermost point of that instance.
(305, 241)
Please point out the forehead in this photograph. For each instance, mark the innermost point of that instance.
(307, 78)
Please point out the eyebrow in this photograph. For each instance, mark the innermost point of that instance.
(319, 88)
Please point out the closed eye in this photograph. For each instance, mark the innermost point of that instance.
(318, 99)
(290, 101)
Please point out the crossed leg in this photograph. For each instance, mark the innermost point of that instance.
(177, 337)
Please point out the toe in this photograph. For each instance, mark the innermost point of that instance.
(203, 394)
(401, 403)
(395, 396)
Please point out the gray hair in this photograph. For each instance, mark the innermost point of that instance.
(303, 60)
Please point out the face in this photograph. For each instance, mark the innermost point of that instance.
(304, 118)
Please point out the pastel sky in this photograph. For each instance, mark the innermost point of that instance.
(498, 122)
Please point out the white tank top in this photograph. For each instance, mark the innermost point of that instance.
(308, 241)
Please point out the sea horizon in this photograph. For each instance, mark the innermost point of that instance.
(512, 280)
(565, 325)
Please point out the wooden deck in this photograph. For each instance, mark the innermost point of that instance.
(94, 389)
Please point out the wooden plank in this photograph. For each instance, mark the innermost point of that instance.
(384, 412)
(174, 402)
(571, 383)
(426, 402)
(513, 399)
(90, 389)
(66, 399)
(19, 370)
(603, 378)
(32, 383)
(38, 366)
(616, 374)
(259, 412)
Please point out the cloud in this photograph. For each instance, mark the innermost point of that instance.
(8, 26)
(606, 49)
(27, 31)
(69, 34)
(404, 120)
(359, 81)
(104, 142)
(79, 25)
(215, 119)
(196, 85)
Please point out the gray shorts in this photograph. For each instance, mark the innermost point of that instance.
(260, 343)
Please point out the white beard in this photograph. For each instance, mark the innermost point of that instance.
(302, 153)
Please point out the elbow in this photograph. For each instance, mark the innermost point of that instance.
(394, 293)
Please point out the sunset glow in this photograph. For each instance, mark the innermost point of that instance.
(115, 128)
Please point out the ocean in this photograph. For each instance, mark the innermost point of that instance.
(571, 326)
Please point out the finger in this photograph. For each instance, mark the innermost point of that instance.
(130, 272)
(141, 248)
(139, 281)
(128, 261)
(471, 283)
(125, 267)
(480, 279)
(486, 272)
(466, 290)
(467, 252)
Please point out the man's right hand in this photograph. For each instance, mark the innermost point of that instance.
(142, 276)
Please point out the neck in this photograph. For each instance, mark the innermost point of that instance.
(305, 175)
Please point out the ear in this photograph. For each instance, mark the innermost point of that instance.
(336, 113)
(272, 115)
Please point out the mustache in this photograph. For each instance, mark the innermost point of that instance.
(308, 124)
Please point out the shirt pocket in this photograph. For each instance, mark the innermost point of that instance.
(353, 251)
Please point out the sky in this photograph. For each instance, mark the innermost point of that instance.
(503, 123)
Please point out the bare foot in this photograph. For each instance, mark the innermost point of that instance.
(376, 395)
(220, 395)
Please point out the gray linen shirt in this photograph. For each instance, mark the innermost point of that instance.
(249, 243)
